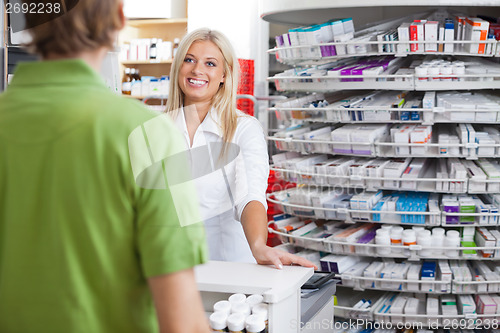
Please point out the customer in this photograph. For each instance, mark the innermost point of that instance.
(228, 150)
(79, 240)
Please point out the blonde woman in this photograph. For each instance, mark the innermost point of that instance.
(227, 148)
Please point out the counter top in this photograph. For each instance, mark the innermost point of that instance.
(273, 284)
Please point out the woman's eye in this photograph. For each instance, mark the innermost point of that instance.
(188, 60)
(211, 64)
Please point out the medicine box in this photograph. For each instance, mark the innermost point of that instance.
(431, 34)
(372, 271)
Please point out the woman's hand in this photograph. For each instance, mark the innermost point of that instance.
(254, 221)
(266, 255)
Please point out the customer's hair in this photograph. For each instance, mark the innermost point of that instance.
(224, 101)
(85, 25)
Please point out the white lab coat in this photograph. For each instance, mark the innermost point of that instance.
(224, 188)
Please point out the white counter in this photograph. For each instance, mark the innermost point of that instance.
(280, 288)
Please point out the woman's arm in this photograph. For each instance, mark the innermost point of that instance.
(254, 221)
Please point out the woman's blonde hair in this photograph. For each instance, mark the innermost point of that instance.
(224, 101)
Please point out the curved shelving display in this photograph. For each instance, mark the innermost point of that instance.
(281, 52)
(381, 148)
(435, 215)
(411, 252)
(389, 307)
(325, 83)
(371, 183)
(437, 287)
(371, 93)
(334, 115)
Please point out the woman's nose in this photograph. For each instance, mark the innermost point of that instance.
(197, 69)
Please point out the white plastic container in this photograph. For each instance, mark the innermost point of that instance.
(261, 310)
(452, 239)
(237, 298)
(253, 300)
(255, 324)
(218, 322)
(409, 238)
(243, 308)
(236, 323)
(223, 306)
(396, 239)
(382, 238)
(424, 240)
(387, 227)
(437, 241)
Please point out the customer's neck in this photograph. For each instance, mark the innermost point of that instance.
(93, 58)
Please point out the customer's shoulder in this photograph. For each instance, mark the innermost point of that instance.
(127, 109)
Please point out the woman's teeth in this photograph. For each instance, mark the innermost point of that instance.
(197, 82)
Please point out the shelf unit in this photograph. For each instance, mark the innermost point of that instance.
(166, 29)
(462, 321)
(10, 54)
(145, 62)
(317, 11)
(282, 53)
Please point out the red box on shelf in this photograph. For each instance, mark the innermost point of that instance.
(246, 85)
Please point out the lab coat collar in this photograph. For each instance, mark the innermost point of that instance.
(209, 124)
(212, 122)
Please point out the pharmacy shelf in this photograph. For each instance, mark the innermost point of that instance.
(375, 149)
(384, 149)
(134, 97)
(386, 115)
(379, 311)
(410, 253)
(355, 215)
(459, 320)
(439, 287)
(434, 218)
(346, 298)
(362, 283)
(326, 83)
(428, 183)
(358, 48)
(299, 13)
(145, 62)
(164, 29)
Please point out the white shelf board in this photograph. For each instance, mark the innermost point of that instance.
(387, 82)
(312, 11)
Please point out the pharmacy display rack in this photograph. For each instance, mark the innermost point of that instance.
(413, 298)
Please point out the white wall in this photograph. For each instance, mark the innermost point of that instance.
(239, 20)
(154, 8)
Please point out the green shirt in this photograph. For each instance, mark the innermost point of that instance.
(78, 236)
